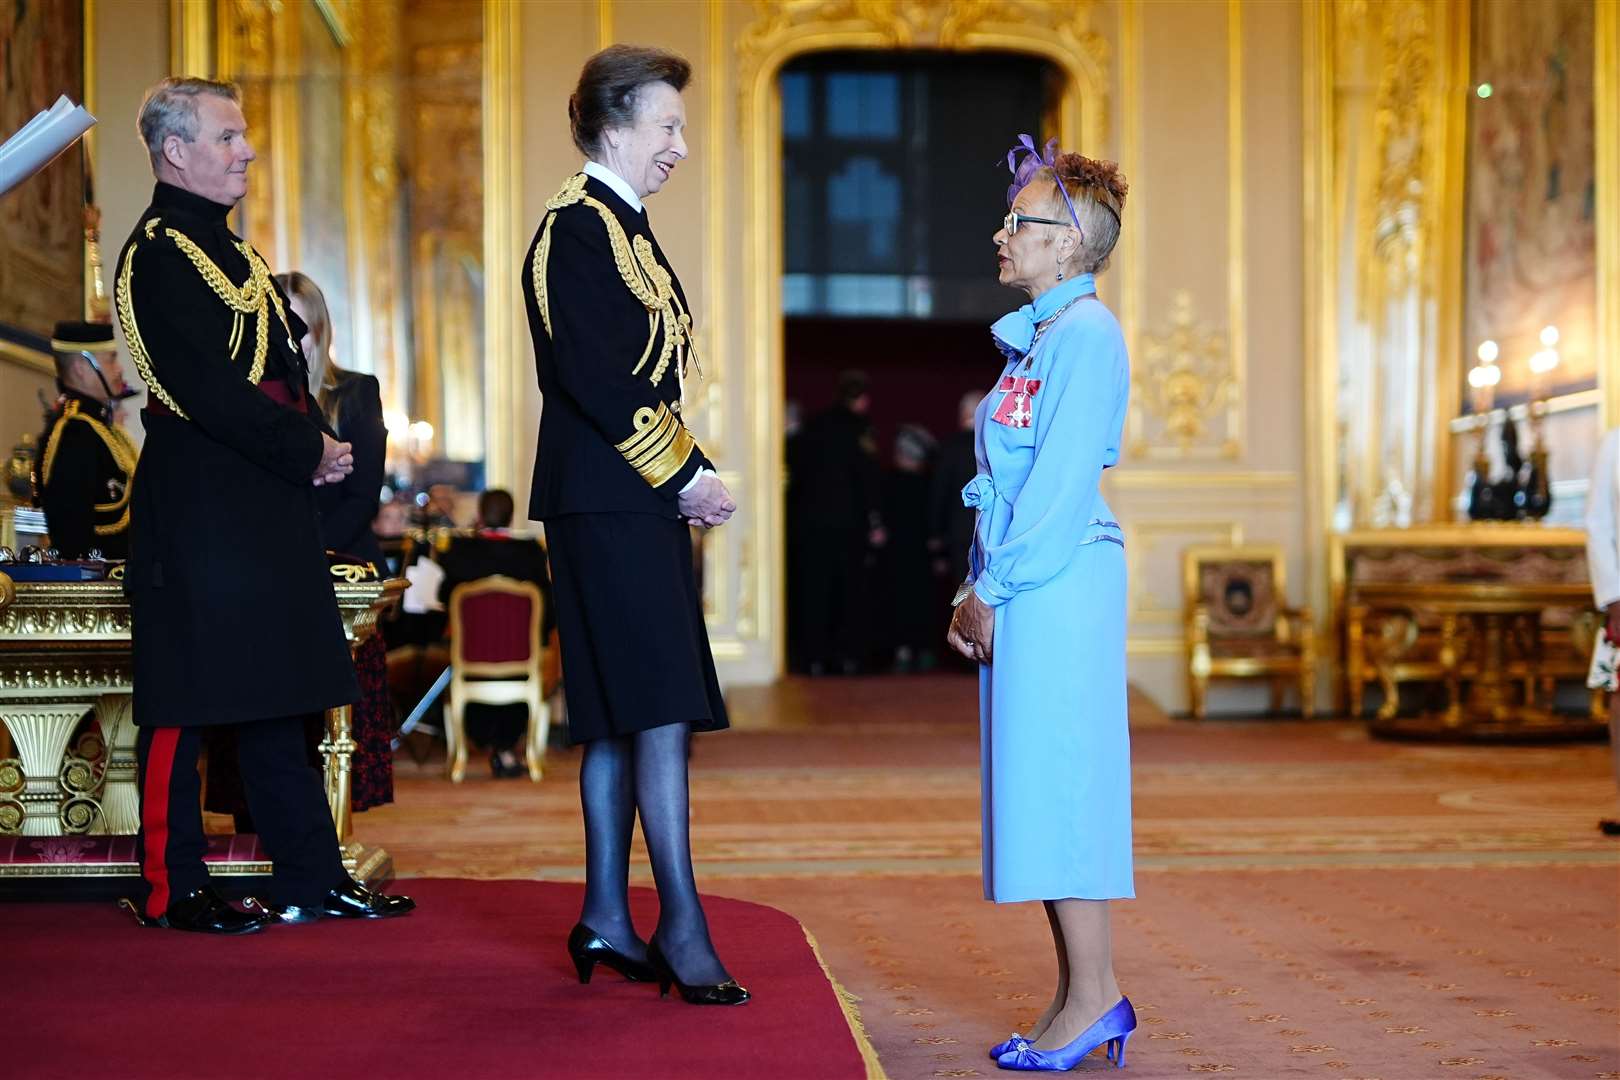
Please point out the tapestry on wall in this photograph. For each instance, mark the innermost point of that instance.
(1531, 258)
(42, 220)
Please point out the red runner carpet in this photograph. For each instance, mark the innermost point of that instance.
(475, 984)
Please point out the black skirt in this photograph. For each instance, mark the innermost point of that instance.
(635, 651)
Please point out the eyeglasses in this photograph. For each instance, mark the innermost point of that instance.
(1015, 219)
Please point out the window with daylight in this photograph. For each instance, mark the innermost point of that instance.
(894, 179)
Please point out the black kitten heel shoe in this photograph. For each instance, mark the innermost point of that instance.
(587, 948)
(726, 993)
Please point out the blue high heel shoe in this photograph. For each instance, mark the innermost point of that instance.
(1003, 1047)
(1114, 1027)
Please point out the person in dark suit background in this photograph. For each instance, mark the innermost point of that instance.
(494, 550)
(837, 500)
(352, 403)
(906, 581)
(952, 523)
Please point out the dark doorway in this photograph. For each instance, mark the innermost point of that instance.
(894, 182)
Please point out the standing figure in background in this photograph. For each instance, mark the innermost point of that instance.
(86, 461)
(952, 523)
(838, 491)
(351, 402)
(1603, 557)
(233, 614)
(620, 482)
(907, 568)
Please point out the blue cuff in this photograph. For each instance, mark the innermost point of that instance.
(986, 591)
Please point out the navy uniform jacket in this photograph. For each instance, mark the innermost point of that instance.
(85, 466)
(228, 584)
(612, 336)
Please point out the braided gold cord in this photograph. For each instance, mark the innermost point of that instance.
(541, 258)
(648, 281)
(246, 297)
(132, 332)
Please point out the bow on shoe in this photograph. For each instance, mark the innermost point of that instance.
(1022, 1056)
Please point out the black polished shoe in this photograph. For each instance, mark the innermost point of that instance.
(204, 911)
(1609, 827)
(348, 901)
(726, 993)
(587, 948)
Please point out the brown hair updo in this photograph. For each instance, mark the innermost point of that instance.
(1097, 189)
(608, 83)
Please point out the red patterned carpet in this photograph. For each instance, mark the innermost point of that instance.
(475, 984)
(1311, 902)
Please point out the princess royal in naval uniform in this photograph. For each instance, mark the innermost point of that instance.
(618, 480)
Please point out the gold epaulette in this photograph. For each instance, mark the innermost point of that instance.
(641, 273)
(660, 446)
(256, 296)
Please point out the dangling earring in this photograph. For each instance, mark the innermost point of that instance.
(1060, 271)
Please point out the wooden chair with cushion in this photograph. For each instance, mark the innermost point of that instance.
(1238, 624)
(496, 658)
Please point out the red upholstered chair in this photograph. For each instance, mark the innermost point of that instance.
(495, 659)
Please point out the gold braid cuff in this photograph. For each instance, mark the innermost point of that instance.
(660, 446)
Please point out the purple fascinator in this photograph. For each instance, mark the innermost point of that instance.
(1033, 161)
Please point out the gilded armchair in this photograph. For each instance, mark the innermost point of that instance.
(1238, 625)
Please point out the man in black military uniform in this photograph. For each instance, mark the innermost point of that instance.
(234, 617)
(86, 460)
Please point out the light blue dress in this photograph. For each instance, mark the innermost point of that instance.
(1049, 558)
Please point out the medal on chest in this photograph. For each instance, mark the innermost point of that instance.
(1017, 406)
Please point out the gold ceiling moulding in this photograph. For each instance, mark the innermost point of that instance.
(1060, 31)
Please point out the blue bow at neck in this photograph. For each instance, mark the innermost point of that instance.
(1014, 332)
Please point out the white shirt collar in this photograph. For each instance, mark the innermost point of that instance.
(616, 182)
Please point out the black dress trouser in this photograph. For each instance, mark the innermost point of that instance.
(284, 793)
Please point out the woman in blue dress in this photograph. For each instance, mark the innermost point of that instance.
(1043, 611)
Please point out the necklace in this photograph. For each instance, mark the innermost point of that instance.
(1042, 326)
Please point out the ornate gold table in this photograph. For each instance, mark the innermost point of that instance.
(1492, 657)
(69, 804)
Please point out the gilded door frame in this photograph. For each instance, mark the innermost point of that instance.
(1059, 32)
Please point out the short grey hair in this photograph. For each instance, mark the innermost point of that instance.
(170, 108)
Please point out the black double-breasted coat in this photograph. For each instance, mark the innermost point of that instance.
(234, 615)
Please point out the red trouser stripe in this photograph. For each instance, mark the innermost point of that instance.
(155, 818)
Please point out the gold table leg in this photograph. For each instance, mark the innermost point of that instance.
(338, 750)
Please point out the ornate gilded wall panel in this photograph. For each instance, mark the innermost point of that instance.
(1184, 394)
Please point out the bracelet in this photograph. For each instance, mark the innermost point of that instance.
(963, 591)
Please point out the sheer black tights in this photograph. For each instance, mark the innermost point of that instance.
(647, 772)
